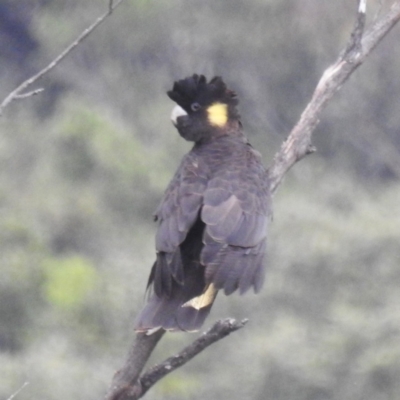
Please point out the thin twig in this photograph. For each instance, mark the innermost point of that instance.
(16, 93)
(354, 44)
(110, 6)
(28, 94)
(18, 391)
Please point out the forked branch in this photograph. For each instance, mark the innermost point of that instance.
(360, 45)
(130, 387)
(17, 93)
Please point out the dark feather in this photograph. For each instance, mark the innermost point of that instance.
(162, 277)
(249, 232)
(175, 265)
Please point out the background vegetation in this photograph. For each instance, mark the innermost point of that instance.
(84, 164)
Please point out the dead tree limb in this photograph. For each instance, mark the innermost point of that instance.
(297, 146)
(17, 94)
(132, 388)
(124, 382)
(360, 45)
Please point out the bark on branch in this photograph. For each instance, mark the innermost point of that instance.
(124, 382)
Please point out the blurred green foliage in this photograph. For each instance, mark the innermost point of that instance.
(67, 281)
(84, 165)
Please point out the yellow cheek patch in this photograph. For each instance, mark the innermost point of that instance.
(218, 114)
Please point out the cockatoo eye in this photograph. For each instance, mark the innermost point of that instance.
(195, 107)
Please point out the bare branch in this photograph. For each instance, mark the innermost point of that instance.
(28, 94)
(18, 391)
(16, 93)
(218, 331)
(140, 351)
(298, 144)
(130, 387)
(110, 6)
(354, 44)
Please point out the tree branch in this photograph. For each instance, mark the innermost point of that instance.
(218, 331)
(28, 94)
(129, 387)
(125, 379)
(18, 391)
(17, 93)
(298, 144)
